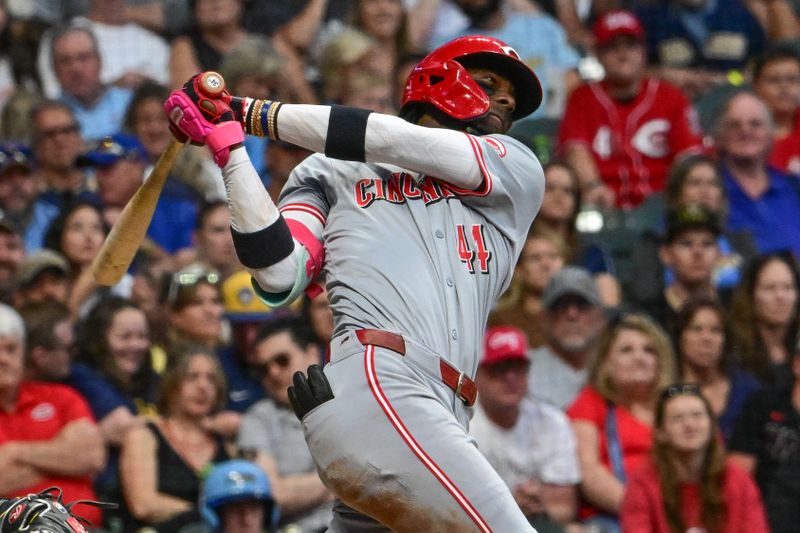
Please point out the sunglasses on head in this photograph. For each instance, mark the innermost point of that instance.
(182, 280)
(680, 389)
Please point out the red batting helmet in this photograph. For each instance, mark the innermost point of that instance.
(441, 78)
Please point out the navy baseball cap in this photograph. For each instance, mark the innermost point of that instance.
(109, 150)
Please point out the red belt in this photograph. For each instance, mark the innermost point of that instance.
(463, 386)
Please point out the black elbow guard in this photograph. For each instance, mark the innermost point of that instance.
(265, 247)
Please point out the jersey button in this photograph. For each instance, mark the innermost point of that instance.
(440, 234)
(449, 282)
(454, 335)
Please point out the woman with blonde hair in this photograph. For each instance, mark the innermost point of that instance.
(688, 485)
(162, 462)
(613, 415)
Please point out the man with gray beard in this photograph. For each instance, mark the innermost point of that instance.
(572, 319)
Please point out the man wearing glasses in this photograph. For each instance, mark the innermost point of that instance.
(283, 347)
(57, 142)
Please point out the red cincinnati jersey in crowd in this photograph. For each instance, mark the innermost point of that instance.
(634, 142)
(41, 412)
(785, 153)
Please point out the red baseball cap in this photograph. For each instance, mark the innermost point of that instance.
(502, 343)
(615, 23)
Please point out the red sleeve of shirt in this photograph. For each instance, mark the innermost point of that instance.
(589, 406)
(71, 405)
(685, 131)
(575, 128)
(745, 509)
(642, 509)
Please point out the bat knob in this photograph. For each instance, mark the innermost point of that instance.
(212, 84)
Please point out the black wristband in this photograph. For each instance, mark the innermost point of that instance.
(347, 131)
(265, 247)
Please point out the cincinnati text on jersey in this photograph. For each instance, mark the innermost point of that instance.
(399, 187)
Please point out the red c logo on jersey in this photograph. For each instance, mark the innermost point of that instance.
(499, 147)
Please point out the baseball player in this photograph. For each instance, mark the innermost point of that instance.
(414, 224)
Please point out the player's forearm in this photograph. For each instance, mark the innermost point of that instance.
(298, 493)
(252, 213)
(77, 451)
(376, 138)
(601, 488)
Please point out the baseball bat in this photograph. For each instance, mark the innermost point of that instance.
(128, 232)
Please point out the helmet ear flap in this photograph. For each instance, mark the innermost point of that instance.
(447, 86)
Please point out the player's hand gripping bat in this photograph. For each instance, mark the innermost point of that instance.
(126, 236)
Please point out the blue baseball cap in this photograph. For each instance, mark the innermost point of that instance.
(14, 155)
(109, 150)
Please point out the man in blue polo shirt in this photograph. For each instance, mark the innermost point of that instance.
(762, 199)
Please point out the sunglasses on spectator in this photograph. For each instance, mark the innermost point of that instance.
(55, 132)
(182, 280)
(281, 361)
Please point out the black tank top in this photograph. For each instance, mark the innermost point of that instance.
(208, 57)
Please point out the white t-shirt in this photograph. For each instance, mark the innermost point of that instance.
(540, 446)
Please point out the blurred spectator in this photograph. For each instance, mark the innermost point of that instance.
(47, 435)
(689, 251)
(99, 108)
(217, 29)
(256, 69)
(572, 320)
(49, 341)
(370, 91)
(543, 254)
(43, 277)
(18, 186)
(317, 312)
(762, 199)
(281, 158)
(344, 54)
(119, 164)
(77, 234)
(161, 462)
(766, 441)
(613, 416)
(246, 314)
(129, 53)
(695, 179)
(213, 241)
(113, 371)
(11, 255)
(776, 80)
(705, 359)
(622, 134)
(15, 117)
(283, 347)
(193, 302)
(57, 142)
(540, 42)
(237, 498)
(385, 21)
(559, 211)
(296, 23)
(696, 43)
(528, 442)
(688, 484)
(765, 317)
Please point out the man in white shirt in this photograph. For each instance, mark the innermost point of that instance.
(529, 443)
(572, 320)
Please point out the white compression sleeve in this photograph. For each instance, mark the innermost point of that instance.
(252, 210)
(439, 152)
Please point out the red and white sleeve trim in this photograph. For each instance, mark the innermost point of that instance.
(305, 208)
(486, 184)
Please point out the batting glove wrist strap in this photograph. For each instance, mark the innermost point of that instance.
(222, 138)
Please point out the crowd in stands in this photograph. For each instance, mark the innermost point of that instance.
(640, 375)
